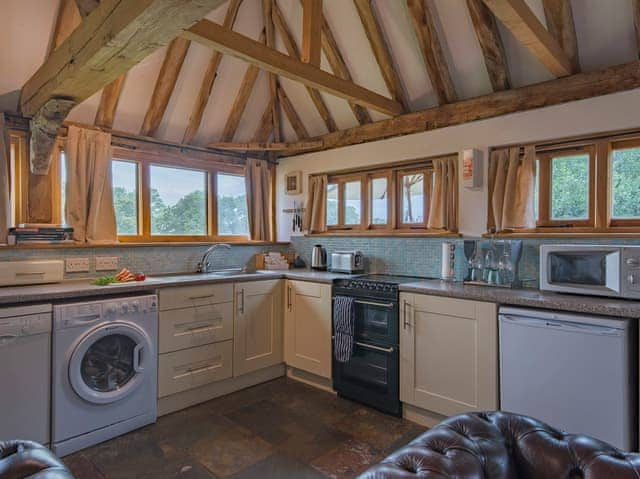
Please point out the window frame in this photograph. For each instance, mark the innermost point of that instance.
(428, 187)
(389, 176)
(144, 161)
(341, 181)
(601, 221)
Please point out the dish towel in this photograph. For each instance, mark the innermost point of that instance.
(344, 323)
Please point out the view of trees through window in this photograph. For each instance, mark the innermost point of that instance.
(625, 183)
(233, 218)
(125, 196)
(570, 187)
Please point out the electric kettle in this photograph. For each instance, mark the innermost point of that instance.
(319, 258)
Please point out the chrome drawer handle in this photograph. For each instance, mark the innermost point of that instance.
(375, 348)
(192, 298)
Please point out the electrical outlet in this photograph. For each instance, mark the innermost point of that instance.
(106, 263)
(77, 265)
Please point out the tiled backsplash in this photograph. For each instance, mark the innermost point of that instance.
(149, 259)
(422, 256)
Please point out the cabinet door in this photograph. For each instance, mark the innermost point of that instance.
(258, 326)
(449, 357)
(308, 327)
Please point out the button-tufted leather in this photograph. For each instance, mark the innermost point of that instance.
(27, 459)
(499, 445)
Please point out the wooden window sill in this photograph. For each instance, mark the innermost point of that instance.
(127, 244)
(387, 234)
(565, 234)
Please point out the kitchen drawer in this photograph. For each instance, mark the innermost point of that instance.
(186, 296)
(195, 326)
(448, 306)
(191, 368)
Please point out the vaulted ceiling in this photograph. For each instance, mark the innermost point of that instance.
(367, 35)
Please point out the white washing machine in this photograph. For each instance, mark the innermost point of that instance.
(104, 368)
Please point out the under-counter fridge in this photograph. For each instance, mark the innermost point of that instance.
(576, 372)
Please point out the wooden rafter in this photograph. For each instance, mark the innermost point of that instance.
(109, 102)
(381, 51)
(339, 67)
(85, 7)
(559, 16)
(562, 90)
(531, 33)
(67, 20)
(242, 98)
(434, 59)
(636, 22)
(495, 59)
(265, 127)
(209, 78)
(165, 84)
(292, 50)
(107, 43)
(270, 38)
(263, 146)
(311, 31)
(292, 115)
(229, 42)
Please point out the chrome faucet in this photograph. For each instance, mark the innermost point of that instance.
(203, 265)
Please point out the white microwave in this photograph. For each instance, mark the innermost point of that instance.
(599, 270)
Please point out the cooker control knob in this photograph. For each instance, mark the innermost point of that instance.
(633, 261)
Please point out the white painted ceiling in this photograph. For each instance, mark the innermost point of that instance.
(604, 29)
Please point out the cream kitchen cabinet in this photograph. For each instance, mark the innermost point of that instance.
(307, 326)
(448, 354)
(258, 322)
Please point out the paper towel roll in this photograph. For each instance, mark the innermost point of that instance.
(447, 272)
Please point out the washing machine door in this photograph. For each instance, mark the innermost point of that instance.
(108, 364)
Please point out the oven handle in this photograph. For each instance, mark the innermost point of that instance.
(376, 348)
(372, 303)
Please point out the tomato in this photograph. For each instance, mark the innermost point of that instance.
(140, 277)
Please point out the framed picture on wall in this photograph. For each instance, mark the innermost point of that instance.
(293, 183)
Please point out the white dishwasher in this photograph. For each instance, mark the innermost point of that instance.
(25, 375)
(575, 372)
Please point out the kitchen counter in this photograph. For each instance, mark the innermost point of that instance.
(528, 297)
(77, 289)
(82, 288)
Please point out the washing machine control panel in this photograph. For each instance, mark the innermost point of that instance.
(72, 315)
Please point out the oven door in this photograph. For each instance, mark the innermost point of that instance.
(376, 321)
(587, 269)
(371, 377)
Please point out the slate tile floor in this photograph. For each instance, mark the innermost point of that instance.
(280, 429)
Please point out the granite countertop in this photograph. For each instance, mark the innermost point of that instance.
(78, 289)
(528, 297)
(82, 288)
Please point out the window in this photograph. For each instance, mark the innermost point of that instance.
(233, 218)
(588, 186)
(393, 198)
(63, 186)
(125, 196)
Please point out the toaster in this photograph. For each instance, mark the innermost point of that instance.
(347, 262)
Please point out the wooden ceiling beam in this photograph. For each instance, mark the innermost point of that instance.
(67, 20)
(265, 127)
(562, 90)
(292, 115)
(381, 51)
(292, 50)
(85, 7)
(531, 33)
(435, 62)
(242, 98)
(560, 24)
(219, 38)
(495, 59)
(165, 84)
(208, 79)
(267, 14)
(339, 67)
(311, 31)
(109, 100)
(107, 43)
(264, 146)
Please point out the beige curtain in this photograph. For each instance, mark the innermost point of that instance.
(258, 181)
(511, 185)
(443, 210)
(315, 219)
(5, 181)
(89, 196)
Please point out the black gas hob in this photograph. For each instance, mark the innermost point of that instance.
(384, 286)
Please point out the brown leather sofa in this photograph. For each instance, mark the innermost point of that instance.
(498, 445)
(27, 459)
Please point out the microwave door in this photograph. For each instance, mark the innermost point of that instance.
(596, 272)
